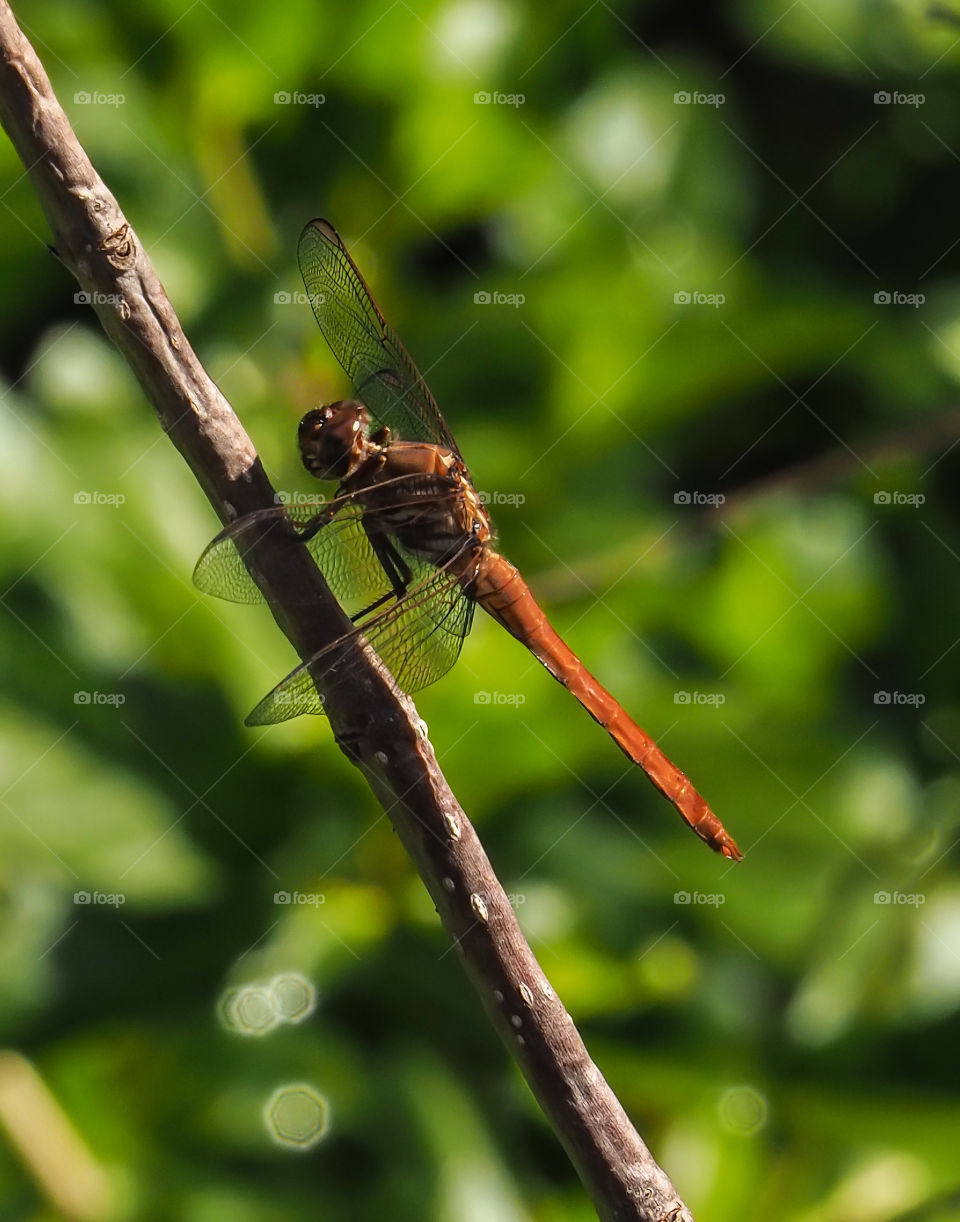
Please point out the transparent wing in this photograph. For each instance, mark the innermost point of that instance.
(382, 372)
(418, 639)
(220, 569)
(334, 536)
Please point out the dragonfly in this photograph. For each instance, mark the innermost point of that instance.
(406, 543)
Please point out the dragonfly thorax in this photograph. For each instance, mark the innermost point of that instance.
(335, 439)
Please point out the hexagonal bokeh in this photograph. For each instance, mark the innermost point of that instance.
(296, 1116)
(293, 996)
(250, 1010)
(742, 1110)
(256, 1009)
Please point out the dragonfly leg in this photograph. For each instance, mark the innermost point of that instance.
(385, 598)
(306, 530)
(394, 566)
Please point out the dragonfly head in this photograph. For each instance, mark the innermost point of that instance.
(334, 439)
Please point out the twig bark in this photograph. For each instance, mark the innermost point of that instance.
(376, 726)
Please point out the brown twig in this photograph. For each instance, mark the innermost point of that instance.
(376, 726)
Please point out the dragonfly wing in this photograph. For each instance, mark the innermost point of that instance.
(418, 639)
(220, 569)
(293, 696)
(381, 369)
(333, 535)
(347, 561)
(423, 640)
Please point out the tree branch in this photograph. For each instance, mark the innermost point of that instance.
(375, 725)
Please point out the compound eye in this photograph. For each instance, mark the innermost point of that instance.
(332, 439)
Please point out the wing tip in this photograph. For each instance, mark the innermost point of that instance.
(292, 697)
(323, 227)
(267, 713)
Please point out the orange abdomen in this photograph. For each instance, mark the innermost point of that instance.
(503, 593)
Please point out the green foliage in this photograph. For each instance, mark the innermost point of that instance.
(782, 1031)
